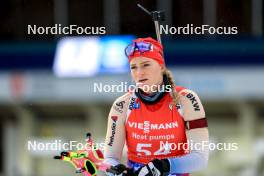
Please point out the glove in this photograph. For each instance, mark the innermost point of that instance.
(155, 168)
(120, 170)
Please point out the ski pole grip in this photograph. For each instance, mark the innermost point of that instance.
(158, 15)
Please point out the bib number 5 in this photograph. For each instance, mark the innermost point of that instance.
(144, 149)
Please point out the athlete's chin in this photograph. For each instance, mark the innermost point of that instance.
(147, 87)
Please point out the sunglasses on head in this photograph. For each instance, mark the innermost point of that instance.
(138, 46)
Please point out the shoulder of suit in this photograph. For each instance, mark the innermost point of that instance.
(125, 97)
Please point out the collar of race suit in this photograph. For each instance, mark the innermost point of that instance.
(154, 97)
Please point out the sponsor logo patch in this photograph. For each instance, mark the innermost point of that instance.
(147, 126)
(193, 101)
(113, 128)
(119, 106)
(133, 104)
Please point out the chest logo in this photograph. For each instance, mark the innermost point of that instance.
(147, 126)
(133, 104)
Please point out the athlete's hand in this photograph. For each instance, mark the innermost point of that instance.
(120, 170)
(155, 168)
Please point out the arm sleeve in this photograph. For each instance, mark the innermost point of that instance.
(197, 158)
(115, 135)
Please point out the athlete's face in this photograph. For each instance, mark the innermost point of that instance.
(146, 71)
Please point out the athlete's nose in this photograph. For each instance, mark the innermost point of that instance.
(140, 72)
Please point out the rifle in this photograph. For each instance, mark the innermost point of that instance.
(87, 161)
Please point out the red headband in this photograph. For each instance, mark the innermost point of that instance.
(156, 53)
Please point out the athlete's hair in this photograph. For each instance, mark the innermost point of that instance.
(174, 93)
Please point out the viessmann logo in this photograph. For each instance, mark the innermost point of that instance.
(147, 126)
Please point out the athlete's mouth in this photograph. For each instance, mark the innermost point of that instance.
(142, 80)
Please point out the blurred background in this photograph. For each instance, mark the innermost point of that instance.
(47, 81)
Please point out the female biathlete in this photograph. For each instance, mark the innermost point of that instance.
(163, 125)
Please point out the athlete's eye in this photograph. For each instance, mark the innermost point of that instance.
(133, 67)
(146, 65)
